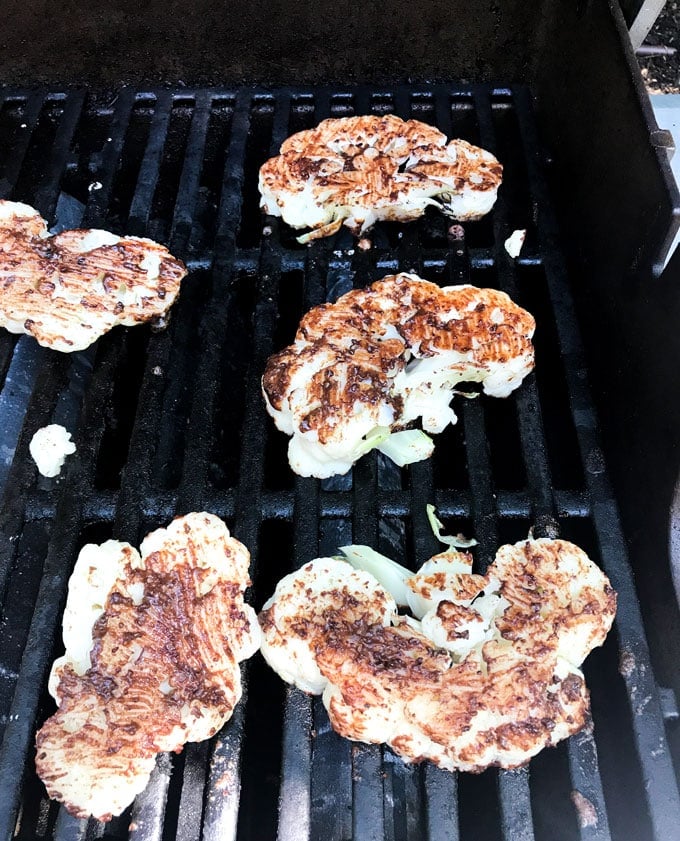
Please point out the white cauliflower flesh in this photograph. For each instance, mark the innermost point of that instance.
(358, 171)
(153, 641)
(384, 357)
(69, 289)
(49, 447)
(488, 674)
(303, 600)
(513, 244)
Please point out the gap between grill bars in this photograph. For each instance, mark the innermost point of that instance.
(172, 422)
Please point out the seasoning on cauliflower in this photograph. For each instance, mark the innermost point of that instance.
(153, 641)
(69, 289)
(361, 170)
(378, 359)
(485, 673)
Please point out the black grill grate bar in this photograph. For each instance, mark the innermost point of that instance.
(583, 761)
(140, 206)
(296, 767)
(187, 193)
(22, 472)
(64, 540)
(7, 344)
(586, 781)
(10, 172)
(384, 259)
(196, 457)
(99, 199)
(441, 804)
(279, 505)
(368, 795)
(46, 195)
(440, 788)
(148, 811)
(68, 828)
(481, 486)
(294, 823)
(191, 797)
(515, 804)
(295, 791)
(513, 787)
(647, 720)
(136, 478)
(221, 819)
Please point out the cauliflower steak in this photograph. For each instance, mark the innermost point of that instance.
(487, 673)
(68, 289)
(357, 171)
(153, 641)
(378, 359)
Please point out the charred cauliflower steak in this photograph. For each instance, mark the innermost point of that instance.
(381, 358)
(485, 673)
(153, 641)
(357, 171)
(68, 289)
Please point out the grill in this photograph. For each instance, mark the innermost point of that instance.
(173, 421)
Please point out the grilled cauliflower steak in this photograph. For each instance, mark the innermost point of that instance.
(360, 170)
(486, 674)
(153, 641)
(68, 289)
(381, 358)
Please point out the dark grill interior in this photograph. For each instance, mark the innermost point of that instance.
(173, 421)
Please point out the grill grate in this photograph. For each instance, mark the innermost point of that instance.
(171, 422)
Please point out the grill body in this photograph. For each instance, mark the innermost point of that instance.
(174, 421)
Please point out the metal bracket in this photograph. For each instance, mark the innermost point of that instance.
(645, 19)
(663, 139)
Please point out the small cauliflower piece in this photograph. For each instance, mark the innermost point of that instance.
(357, 171)
(49, 447)
(381, 358)
(513, 244)
(68, 289)
(487, 675)
(153, 641)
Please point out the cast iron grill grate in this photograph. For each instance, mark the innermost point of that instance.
(173, 421)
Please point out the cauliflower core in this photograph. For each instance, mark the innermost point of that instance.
(69, 289)
(487, 674)
(360, 170)
(153, 641)
(381, 358)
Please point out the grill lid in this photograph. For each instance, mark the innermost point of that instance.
(173, 421)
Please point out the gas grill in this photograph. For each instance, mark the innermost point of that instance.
(170, 421)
